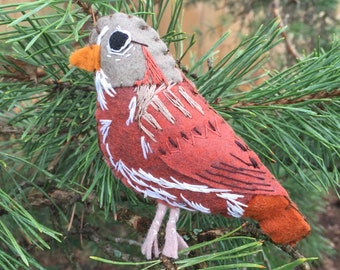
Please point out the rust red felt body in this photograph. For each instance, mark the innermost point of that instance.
(202, 150)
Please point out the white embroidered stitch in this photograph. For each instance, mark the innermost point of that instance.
(158, 105)
(140, 178)
(190, 100)
(179, 205)
(146, 148)
(103, 85)
(150, 191)
(176, 184)
(148, 95)
(145, 94)
(176, 101)
(105, 127)
(196, 206)
(234, 207)
(101, 80)
(162, 192)
(102, 33)
(147, 132)
(151, 120)
(124, 53)
(132, 108)
(110, 156)
(235, 210)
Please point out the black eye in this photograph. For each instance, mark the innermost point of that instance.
(119, 40)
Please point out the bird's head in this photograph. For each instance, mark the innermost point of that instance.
(118, 47)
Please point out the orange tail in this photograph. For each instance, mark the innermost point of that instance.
(279, 218)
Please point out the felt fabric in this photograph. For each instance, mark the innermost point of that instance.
(162, 139)
(153, 74)
(130, 67)
(281, 220)
(87, 58)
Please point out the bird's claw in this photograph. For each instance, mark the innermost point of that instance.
(150, 245)
(173, 245)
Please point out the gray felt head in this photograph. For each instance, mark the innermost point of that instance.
(125, 64)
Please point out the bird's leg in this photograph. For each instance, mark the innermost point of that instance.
(151, 240)
(173, 241)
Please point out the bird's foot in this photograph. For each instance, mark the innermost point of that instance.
(173, 241)
(172, 247)
(150, 245)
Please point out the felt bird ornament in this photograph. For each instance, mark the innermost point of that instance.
(163, 140)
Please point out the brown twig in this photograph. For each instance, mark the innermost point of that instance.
(28, 72)
(295, 254)
(62, 198)
(88, 9)
(55, 196)
(318, 95)
(287, 101)
(290, 47)
(168, 263)
(10, 130)
(185, 70)
(252, 230)
(4, 129)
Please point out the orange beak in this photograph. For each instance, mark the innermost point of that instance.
(87, 58)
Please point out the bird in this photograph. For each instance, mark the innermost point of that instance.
(163, 140)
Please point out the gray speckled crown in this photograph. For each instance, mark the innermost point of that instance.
(124, 69)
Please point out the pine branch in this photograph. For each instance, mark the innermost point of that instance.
(317, 96)
(46, 112)
(249, 229)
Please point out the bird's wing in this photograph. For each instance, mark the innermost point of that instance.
(204, 148)
(213, 155)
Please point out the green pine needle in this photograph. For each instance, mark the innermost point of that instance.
(291, 120)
